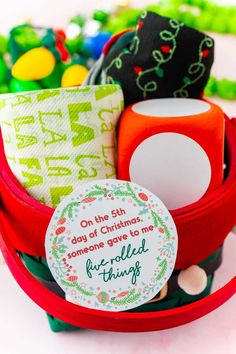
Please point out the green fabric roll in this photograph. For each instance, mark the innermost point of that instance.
(57, 325)
(179, 298)
(39, 268)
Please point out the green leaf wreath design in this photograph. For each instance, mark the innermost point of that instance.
(167, 250)
(58, 248)
(76, 286)
(158, 221)
(132, 296)
(68, 210)
(164, 266)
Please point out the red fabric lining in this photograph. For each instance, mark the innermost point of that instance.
(112, 41)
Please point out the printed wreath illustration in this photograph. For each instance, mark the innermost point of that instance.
(62, 268)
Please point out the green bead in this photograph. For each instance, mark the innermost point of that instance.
(4, 88)
(54, 79)
(187, 18)
(115, 25)
(3, 71)
(20, 85)
(78, 59)
(232, 23)
(226, 89)
(100, 15)
(220, 25)
(22, 38)
(211, 87)
(26, 37)
(80, 20)
(204, 22)
(65, 66)
(3, 45)
(74, 45)
(49, 39)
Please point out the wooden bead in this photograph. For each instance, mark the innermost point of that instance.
(192, 280)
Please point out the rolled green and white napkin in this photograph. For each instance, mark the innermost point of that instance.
(56, 140)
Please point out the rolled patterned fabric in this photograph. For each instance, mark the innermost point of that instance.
(55, 140)
(162, 58)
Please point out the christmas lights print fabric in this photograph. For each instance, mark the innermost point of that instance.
(162, 58)
(55, 140)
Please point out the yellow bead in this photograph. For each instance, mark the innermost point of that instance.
(74, 76)
(35, 64)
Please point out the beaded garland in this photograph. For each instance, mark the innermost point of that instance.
(200, 14)
(222, 88)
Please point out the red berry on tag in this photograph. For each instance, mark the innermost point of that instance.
(88, 200)
(165, 49)
(143, 196)
(123, 294)
(161, 230)
(103, 297)
(61, 221)
(205, 53)
(138, 70)
(60, 230)
(72, 278)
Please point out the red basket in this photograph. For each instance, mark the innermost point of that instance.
(23, 224)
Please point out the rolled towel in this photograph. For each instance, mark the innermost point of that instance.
(55, 140)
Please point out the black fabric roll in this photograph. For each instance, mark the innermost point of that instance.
(162, 58)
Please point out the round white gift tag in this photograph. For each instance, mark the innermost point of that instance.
(111, 245)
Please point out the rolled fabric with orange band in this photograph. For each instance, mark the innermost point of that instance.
(173, 147)
(201, 227)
